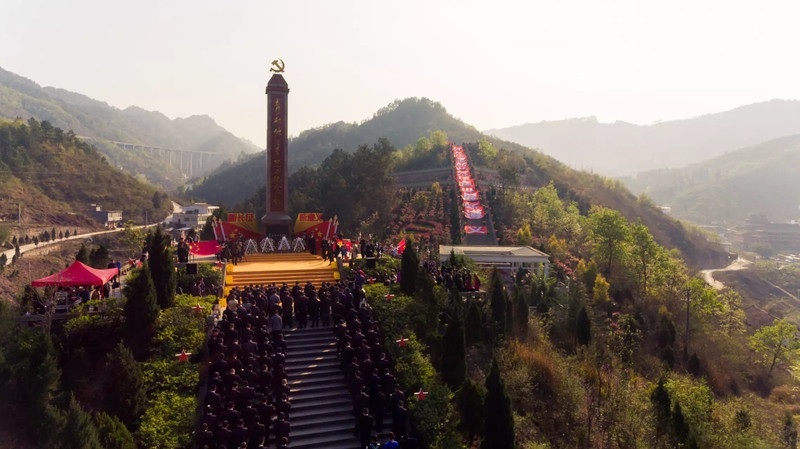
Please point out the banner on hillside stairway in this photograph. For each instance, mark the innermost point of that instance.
(475, 230)
(474, 214)
(467, 196)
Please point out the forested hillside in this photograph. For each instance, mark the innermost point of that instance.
(23, 98)
(517, 167)
(55, 176)
(619, 148)
(401, 122)
(762, 179)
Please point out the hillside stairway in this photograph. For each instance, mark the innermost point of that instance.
(321, 414)
(280, 268)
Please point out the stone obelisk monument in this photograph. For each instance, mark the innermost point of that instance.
(277, 222)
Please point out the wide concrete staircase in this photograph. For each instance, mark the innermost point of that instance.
(321, 414)
(280, 268)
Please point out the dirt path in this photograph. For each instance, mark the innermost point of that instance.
(708, 275)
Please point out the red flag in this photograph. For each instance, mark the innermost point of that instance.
(401, 246)
(207, 248)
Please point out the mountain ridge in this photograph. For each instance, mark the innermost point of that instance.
(85, 116)
(597, 146)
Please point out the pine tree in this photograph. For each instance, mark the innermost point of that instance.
(83, 255)
(53, 234)
(66, 234)
(498, 303)
(661, 408)
(38, 385)
(125, 390)
(141, 311)
(521, 312)
(99, 257)
(454, 353)
(409, 268)
(583, 327)
(473, 324)
(469, 400)
(680, 427)
(79, 431)
(789, 432)
(499, 432)
(162, 268)
(112, 432)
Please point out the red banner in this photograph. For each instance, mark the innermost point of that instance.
(475, 230)
(231, 231)
(474, 214)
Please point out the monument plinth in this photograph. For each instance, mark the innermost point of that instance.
(277, 222)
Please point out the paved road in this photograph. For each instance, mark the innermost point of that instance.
(708, 275)
(30, 246)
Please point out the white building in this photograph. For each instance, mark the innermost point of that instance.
(505, 258)
(193, 216)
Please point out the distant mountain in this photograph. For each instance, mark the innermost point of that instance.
(21, 97)
(761, 179)
(408, 120)
(620, 149)
(55, 177)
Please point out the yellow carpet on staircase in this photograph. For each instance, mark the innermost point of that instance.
(258, 269)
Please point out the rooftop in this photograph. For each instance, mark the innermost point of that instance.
(478, 251)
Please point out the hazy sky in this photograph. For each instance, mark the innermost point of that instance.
(490, 63)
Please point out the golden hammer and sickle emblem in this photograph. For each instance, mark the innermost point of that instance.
(277, 66)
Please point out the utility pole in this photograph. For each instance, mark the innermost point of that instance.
(686, 336)
(19, 215)
(145, 218)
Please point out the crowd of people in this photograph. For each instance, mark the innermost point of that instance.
(374, 391)
(459, 278)
(247, 400)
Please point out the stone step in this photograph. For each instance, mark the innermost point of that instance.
(305, 352)
(316, 339)
(326, 429)
(328, 379)
(311, 360)
(291, 368)
(296, 332)
(343, 441)
(322, 387)
(342, 400)
(309, 345)
(314, 373)
(316, 396)
(340, 409)
(313, 421)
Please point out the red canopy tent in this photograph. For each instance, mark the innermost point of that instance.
(77, 274)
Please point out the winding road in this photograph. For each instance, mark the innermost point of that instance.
(708, 275)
